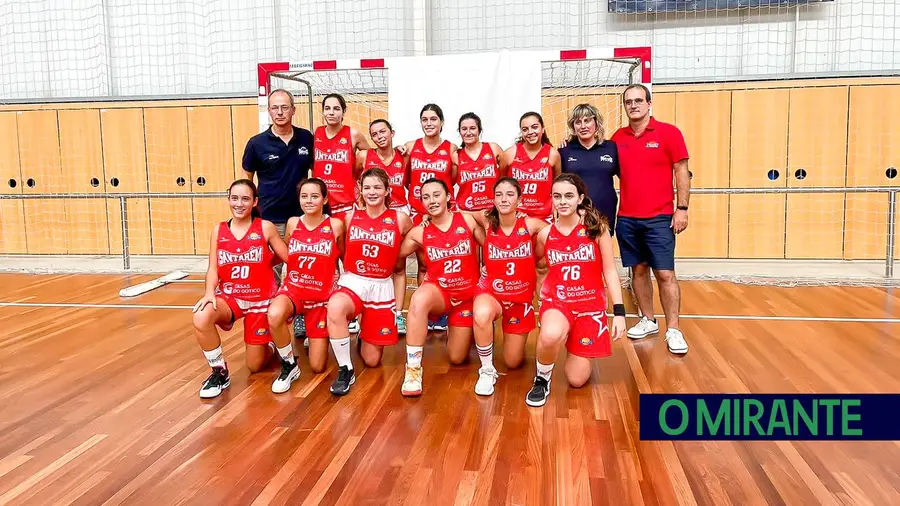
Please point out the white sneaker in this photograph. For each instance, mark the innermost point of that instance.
(643, 328)
(412, 382)
(290, 372)
(675, 341)
(487, 377)
(353, 327)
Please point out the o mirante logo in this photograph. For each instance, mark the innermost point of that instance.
(868, 417)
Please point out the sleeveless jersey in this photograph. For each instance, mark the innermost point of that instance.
(452, 257)
(312, 261)
(536, 177)
(334, 162)
(476, 179)
(575, 270)
(510, 264)
(372, 244)
(244, 265)
(396, 171)
(424, 166)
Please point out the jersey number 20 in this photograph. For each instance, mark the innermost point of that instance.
(240, 272)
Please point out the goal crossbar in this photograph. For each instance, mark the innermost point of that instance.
(637, 57)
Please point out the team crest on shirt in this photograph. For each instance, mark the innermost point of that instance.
(460, 230)
(303, 151)
(442, 152)
(653, 145)
(254, 236)
(544, 159)
(326, 229)
(606, 158)
(262, 331)
(398, 164)
(388, 221)
(582, 232)
(487, 156)
(342, 141)
(522, 231)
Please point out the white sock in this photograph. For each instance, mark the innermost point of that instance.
(544, 370)
(287, 353)
(414, 355)
(215, 357)
(341, 349)
(486, 354)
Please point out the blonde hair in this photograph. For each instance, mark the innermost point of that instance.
(586, 111)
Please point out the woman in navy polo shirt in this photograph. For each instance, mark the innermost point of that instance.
(596, 160)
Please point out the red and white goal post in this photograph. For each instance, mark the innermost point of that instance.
(569, 76)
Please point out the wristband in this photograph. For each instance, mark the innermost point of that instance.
(682, 208)
(618, 309)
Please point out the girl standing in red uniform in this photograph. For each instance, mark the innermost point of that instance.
(430, 157)
(389, 159)
(478, 166)
(450, 244)
(507, 285)
(578, 251)
(366, 289)
(534, 163)
(315, 241)
(240, 283)
(334, 161)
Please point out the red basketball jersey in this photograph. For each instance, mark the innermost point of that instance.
(396, 171)
(476, 179)
(244, 265)
(312, 261)
(334, 161)
(536, 177)
(424, 166)
(575, 271)
(373, 244)
(452, 257)
(510, 264)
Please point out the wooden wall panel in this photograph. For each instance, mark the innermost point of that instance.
(125, 170)
(172, 219)
(12, 213)
(211, 149)
(45, 220)
(81, 151)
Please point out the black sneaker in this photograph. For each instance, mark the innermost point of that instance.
(540, 390)
(215, 383)
(289, 373)
(343, 382)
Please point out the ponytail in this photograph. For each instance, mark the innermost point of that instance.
(594, 222)
(254, 213)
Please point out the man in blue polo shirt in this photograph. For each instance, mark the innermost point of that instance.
(281, 157)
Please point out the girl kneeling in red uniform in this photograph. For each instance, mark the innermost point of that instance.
(579, 256)
(315, 242)
(450, 244)
(507, 284)
(240, 283)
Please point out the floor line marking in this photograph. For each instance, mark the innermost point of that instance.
(660, 316)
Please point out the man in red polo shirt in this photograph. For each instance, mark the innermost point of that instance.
(650, 154)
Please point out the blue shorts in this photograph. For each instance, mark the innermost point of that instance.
(647, 240)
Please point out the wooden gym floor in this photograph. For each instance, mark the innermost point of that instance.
(99, 406)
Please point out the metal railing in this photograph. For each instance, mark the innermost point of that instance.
(890, 233)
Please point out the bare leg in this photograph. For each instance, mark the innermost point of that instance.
(643, 289)
(669, 296)
(578, 370)
(427, 299)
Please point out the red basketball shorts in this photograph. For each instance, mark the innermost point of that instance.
(516, 317)
(588, 331)
(314, 313)
(373, 300)
(256, 321)
(458, 307)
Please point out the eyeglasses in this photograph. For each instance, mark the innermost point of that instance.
(636, 101)
(282, 108)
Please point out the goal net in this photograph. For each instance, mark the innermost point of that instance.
(562, 81)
